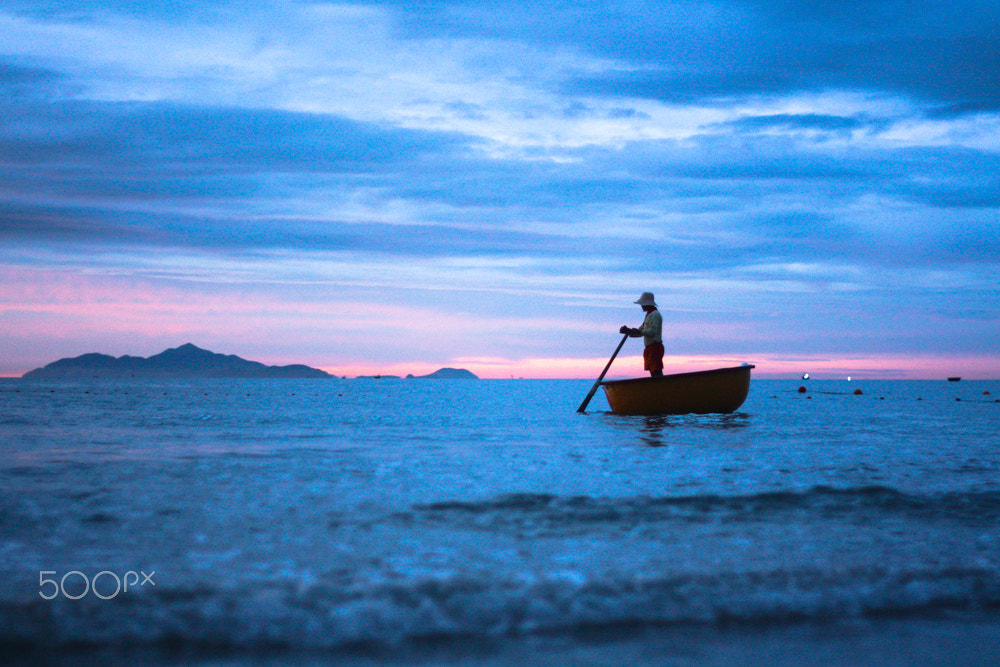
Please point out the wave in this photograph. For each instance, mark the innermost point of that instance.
(543, 513)
(324, 615)
(487, 594)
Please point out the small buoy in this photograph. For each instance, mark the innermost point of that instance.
(986, 393)
(858, 392)
(919, 399)
(805, 376)
(802, 390)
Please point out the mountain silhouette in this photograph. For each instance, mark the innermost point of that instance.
(186, 361)
(447, 374)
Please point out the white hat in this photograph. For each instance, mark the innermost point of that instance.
(646, 300)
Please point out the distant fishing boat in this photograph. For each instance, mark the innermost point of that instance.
(954, 379)
(720, 390)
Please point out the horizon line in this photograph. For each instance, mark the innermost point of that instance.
(767, 366)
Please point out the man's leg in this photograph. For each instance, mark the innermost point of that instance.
(653, 359)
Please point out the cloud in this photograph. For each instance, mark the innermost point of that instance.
(186, 139)
(220, 178)
(163, 173)
(942, 52)
(805, 122)
(805, 176)
(18, 81)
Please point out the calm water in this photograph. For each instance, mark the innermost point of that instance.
(486, 522)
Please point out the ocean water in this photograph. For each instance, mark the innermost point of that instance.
(440, 522)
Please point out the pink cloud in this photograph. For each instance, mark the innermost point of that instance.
(46, 314)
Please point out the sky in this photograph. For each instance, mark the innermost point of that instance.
(392, 187)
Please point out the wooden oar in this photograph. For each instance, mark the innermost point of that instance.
(593, 390)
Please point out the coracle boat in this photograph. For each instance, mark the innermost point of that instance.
(720, 390)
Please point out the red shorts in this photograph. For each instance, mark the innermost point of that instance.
(652, 357)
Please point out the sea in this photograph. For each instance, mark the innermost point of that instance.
(487, 522)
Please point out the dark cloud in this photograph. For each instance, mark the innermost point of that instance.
(83, 228)
(675, 86)
(88, 10)
(183, 138)
(949, 178)
(945, 53)
(94, 173)
(81, 169)
(119, 155)
(954, 73)
(822, 122)
(22, 83)
(16, 78)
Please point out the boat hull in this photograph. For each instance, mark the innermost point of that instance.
(721, 390)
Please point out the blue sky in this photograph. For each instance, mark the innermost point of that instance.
(394, 186)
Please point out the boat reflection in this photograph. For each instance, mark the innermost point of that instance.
(662, 430)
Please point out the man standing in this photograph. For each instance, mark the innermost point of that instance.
(652, 335)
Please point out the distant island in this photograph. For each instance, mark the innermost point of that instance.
(447, 374)
(191, 361)
(440, 374)
(186, 361)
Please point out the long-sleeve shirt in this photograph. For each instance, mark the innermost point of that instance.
(651, 329)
